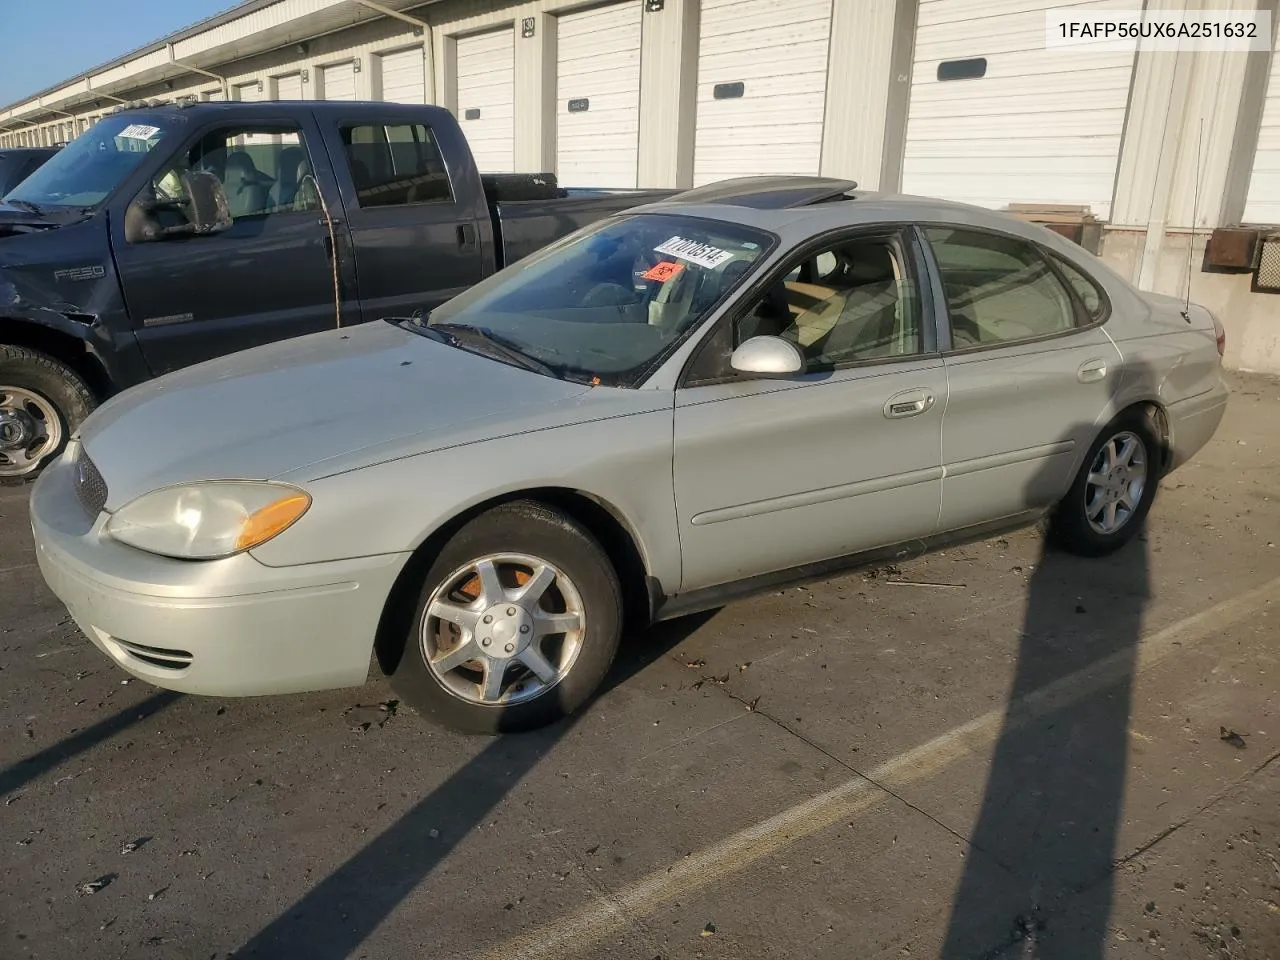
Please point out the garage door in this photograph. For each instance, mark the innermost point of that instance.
(289, 87)
(338, 82)
(996, 118)
(762, 82)
(1263, 205)
(246, 92)
(486, 98)
(403, 77)
(598, 96)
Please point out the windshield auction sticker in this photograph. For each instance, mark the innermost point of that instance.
(702, 254)
(662, 271)
(138, 131)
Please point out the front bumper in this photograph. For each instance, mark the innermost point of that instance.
(232, 627)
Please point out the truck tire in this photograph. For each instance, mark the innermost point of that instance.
(42, 403)
(515, 626)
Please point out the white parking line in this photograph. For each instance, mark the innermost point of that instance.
(586, 927)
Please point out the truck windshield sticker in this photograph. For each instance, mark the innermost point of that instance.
(662, 271)
(138, 131)
(702, 254)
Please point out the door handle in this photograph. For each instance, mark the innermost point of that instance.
(1091, 371)
(466, 236)
(909, 403)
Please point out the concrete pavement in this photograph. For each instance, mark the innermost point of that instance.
(993, 752)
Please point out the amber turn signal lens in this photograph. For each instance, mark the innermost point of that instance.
(272, 520)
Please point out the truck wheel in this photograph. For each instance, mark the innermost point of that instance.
(516, 624)
(42, 402)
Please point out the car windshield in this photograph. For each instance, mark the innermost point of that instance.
(89, 168)
(606, 303)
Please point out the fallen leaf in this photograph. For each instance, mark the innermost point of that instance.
(1230, 736)
(93, 886)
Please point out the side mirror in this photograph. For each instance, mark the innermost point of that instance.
(206, 207)
(203, 207)
(767, 357)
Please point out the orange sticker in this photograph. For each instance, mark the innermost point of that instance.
(663, 271)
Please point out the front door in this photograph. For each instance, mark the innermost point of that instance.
(269, 277)
(772, 474)
(1030, 372)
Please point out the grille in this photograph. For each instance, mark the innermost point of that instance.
(165, 657)
(91, 489)
(1266, 278)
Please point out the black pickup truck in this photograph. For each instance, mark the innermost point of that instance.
(168, 234)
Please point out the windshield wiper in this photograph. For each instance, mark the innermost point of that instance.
(493, 344)
(26, 205)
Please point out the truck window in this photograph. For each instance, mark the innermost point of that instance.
(265, 170)
(94, 165)
(395, 164)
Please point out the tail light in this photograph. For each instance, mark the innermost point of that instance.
(1221, 332)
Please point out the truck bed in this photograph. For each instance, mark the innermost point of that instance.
(523, 226)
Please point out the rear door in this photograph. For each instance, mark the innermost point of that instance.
(269, 277)
(1030, 372)
(414, 222)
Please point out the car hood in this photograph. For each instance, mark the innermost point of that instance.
(275, 409)
(15, 220)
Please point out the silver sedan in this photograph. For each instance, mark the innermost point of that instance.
(744, 386)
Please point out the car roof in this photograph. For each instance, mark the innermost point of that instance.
(269, 108)
(796, 208)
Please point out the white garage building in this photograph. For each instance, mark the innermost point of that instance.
(953, 98)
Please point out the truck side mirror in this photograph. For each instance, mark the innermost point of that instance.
(206, 208)
(203, 206)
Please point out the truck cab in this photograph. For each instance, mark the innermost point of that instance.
(331, 213)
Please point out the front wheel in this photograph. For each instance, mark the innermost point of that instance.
(42, 402)
(1114, 490)
(517, 622)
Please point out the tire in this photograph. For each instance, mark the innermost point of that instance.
(38, 395)
(1115, 501)
(528, 546)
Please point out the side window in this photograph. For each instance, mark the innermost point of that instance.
(998, 289)
(1095, 305)
(396, 164)
(848, 303)
(263, 170)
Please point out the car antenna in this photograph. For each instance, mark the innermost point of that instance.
(1195, 209)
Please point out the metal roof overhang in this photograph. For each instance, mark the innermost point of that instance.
(246, 30)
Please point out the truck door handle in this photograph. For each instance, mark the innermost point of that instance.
(466, 236)
(1091, 371)
(909, 403)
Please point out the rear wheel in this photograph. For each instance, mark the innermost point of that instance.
(42, 402)
(1114, 490)
(516, 624)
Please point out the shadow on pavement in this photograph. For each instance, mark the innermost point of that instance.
(24, 771)
(1053, 800)
(340, 912)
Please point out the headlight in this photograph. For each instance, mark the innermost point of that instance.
(205, 521)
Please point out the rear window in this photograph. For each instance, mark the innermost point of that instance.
(395, 165)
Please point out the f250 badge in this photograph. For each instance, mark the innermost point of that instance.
(80, 273)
